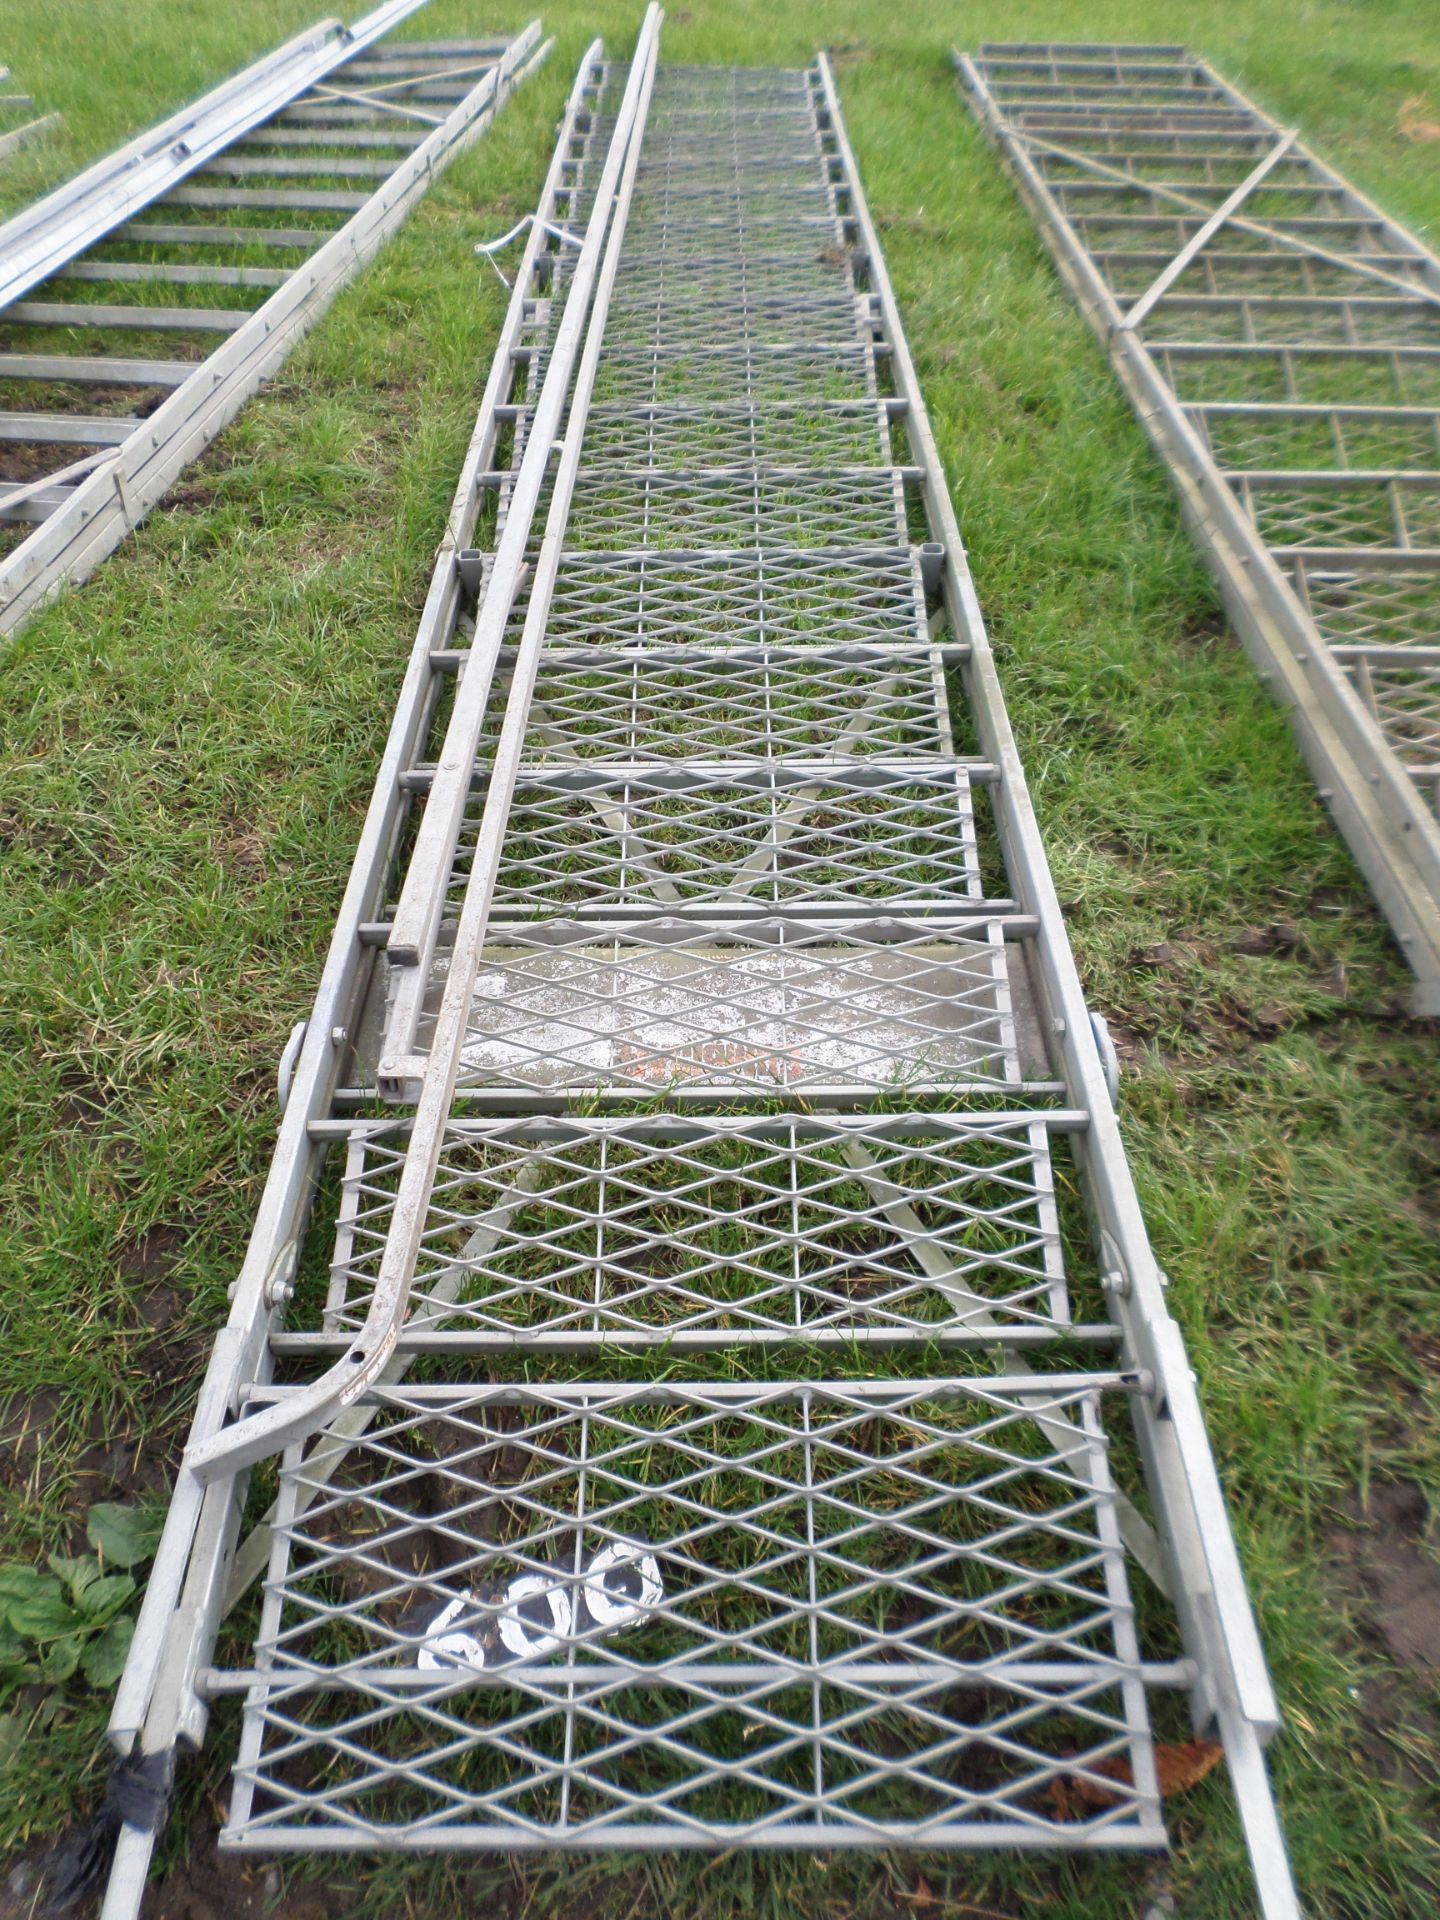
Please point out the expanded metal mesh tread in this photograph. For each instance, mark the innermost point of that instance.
(710, 369)
(780, 836)
(1274, 436)
(571, 1232)
(715, 599)
(1394, 606)
(664, 510)
(1336, 509)
(895, 1611)
(765, 1004)
(688, 437)
(756, 704)
(1316, 375)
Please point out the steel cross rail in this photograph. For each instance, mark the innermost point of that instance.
(277, 142)
(739, 1019)
(1279, 337)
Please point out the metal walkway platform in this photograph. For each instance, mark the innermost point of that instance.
(703, 1417)
(127, 342)
(1279, 337)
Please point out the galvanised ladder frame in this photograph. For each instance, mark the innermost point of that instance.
(633, 1086)
(332, 125)
(1279, 337)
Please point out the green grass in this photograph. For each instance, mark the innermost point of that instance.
(190, 741)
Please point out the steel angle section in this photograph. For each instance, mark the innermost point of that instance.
(158, 1702)
(101, 506)
(39, 240)
(1280, 338)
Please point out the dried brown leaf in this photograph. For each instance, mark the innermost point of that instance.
(1412, 122)
(1178, 1768)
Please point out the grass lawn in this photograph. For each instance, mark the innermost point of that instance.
(190, 740)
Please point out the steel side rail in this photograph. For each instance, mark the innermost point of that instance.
(1205, 1576)
(418, 910)
(92, 520)
(257, 1436)
(240, 1351)
(1392, 835)
(41, 238)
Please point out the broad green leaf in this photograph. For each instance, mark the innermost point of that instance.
(15, 1655)
(105, 1655)
(45, 1614)
(61, 1658)
(20, 1583)
(123, 1536)
(104, 1596)
(78, 1573)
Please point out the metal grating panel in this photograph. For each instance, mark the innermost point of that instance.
(696, 994)
(817, 1577)
(699, 1233)
(1280, 338)
(818, 1573)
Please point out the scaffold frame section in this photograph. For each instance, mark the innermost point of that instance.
(111, 467)
(1279, 337)
(510, 1599)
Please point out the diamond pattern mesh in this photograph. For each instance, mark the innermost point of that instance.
(868, 1612)
(764, 1005)
(759, 704)
(671, 838)
(571, 1230)
(740, 1071)
(775, 595)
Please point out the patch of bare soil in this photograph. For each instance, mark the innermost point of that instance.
(25, 460)
(1388, 1574)
(210, 1885)
(117, 1454)
(199, 487)
(205, 1885)
(1392, 1549)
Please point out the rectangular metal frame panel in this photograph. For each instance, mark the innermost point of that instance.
(1280, 339)
(86, 507)
(824, 1569)
(770, 1093)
